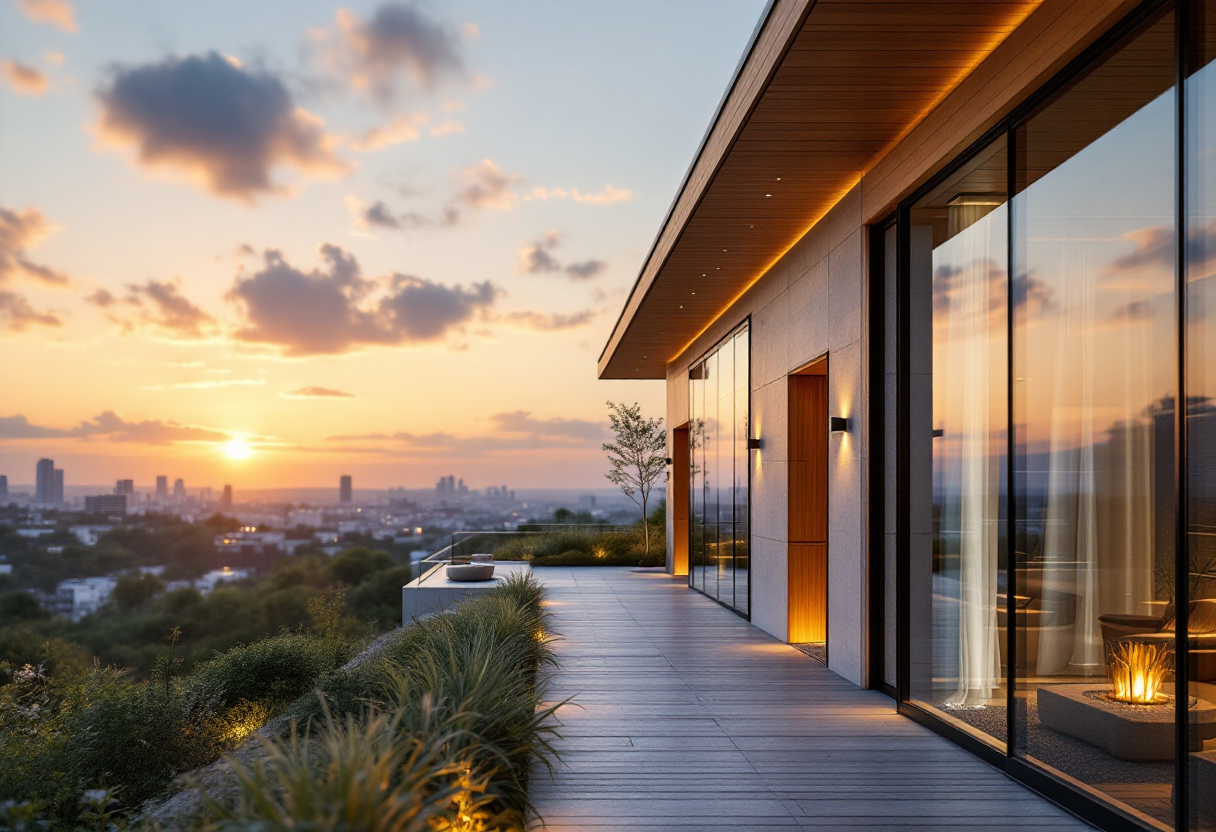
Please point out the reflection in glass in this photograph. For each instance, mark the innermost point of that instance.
(1201, 413)
(1095, 370)
(741, 503)
(718, 396)
(959, 249)
(696, 485)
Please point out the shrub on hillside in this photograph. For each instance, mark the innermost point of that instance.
(474, 673)
(274, 671)
(378, 599)
(357, 564)
(137, 736)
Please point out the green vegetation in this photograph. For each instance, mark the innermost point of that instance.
(587, 547)
(449, 714)
(130, 631)
(436, 730)
(84, 728)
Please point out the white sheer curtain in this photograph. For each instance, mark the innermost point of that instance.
(969, 381)
(1098, 539)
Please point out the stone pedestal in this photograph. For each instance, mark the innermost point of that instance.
(1129, 732)
(433, 592)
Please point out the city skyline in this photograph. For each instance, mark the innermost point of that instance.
(448, 282)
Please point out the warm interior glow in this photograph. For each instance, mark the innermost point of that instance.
(237, 449)
(1137, 672)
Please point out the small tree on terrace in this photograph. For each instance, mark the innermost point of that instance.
(638, 456)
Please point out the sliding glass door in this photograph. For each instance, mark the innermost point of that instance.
(1095, 362)
(719, 409)
(958, 248)
(1198, 583)
(1050, 394)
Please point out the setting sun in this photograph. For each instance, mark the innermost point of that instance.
(237, 449)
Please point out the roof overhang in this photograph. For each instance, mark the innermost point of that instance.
(824, 91)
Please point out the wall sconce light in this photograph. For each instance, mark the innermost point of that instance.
(753, 443)
(838, 424)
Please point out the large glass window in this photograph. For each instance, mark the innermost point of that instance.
(1200, 300)
(1096, 372)
(1035, 382)
(719, 409)
(958, 413)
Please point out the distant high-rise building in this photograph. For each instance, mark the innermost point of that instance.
(125, 487)
(57, 487)
(226, 500)
(179, 489)
(446, 486)
(3, 487)
(106, 504)
(162, 488)
(344, 489)
(44, 480)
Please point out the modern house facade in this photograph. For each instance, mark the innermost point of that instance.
(936, 310)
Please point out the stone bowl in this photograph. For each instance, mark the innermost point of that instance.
(470, 572)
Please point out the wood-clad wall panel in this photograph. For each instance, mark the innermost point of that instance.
(808, 582)
(807, 553)
(680, 483)
(808, 492)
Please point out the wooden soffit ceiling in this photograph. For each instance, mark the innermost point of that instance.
(825, 90)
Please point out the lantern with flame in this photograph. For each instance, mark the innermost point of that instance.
(1137, 672)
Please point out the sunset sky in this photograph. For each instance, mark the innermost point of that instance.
(386, 239)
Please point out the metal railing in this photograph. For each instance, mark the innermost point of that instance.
(465, 543)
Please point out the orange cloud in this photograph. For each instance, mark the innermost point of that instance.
(485, 185)
(56, 12)
(402, 128)
(25, 80)
(20, 231)
(607, 196)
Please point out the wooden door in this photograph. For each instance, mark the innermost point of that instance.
(808, 505)
(681, 481)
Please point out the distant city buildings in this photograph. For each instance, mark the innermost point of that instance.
(311, 517)
(226, 500)
(449, 487)
(35, 531)
(89, 535)
(162, 489)
(214, 578)
(345, 491)
(48, 488)
(106, 504)
(3, 488)
(77, 597)
(125, 487)
(179, 489)
(249, 541)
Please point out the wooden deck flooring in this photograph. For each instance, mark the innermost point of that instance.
(689, 718)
